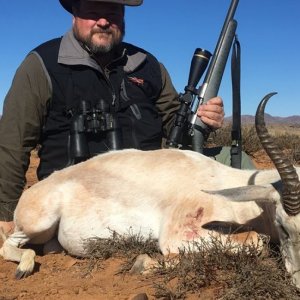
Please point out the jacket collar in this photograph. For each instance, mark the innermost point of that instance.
(72, 53)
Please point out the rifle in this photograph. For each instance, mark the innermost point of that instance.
(186, 120)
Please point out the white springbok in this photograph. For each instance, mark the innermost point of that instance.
(176, 195)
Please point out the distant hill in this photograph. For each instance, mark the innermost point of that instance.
(247, 119)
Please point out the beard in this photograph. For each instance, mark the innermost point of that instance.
(113, 39)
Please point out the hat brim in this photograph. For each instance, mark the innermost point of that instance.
(67, 4)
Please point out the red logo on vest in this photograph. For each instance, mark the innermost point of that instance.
(138, 81)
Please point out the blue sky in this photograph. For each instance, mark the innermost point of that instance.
(172, 29)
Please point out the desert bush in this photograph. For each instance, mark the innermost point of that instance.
(251, 143)
(231, 271)
(126, 246)
(290, 143)
(222, 137)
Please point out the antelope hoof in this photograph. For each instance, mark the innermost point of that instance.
(26, 265)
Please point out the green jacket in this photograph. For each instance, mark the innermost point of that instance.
(25, 112)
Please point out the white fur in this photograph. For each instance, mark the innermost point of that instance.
(163, 192)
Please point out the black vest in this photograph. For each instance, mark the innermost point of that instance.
(130, 98)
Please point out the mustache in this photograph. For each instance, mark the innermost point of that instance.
(101, 30)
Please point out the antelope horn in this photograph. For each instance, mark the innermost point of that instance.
(285, 168)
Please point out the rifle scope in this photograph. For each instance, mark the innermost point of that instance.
(198, 66)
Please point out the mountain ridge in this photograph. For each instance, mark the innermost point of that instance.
(245, 119)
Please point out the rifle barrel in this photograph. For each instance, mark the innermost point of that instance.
(228, 19)
(213, 76)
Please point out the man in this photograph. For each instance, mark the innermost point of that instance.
(68, 79)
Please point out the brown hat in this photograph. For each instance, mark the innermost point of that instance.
(67, 4)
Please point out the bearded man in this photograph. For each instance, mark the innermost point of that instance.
(78, 91)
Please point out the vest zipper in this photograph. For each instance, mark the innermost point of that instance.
(106, 76)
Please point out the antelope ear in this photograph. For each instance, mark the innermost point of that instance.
(259, 193)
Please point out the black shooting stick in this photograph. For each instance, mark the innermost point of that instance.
(213, 77)
(236, 132)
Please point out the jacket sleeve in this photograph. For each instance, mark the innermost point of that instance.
(168, 103)
(20, 126)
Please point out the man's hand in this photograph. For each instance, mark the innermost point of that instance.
(7, 227)
(212, 113)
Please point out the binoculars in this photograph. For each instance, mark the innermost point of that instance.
(89, 122)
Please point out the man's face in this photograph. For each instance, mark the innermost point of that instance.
(99, 25)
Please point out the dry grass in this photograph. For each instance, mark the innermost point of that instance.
(127, 246)
(232, 272)
(288, 140)
(240, 274)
